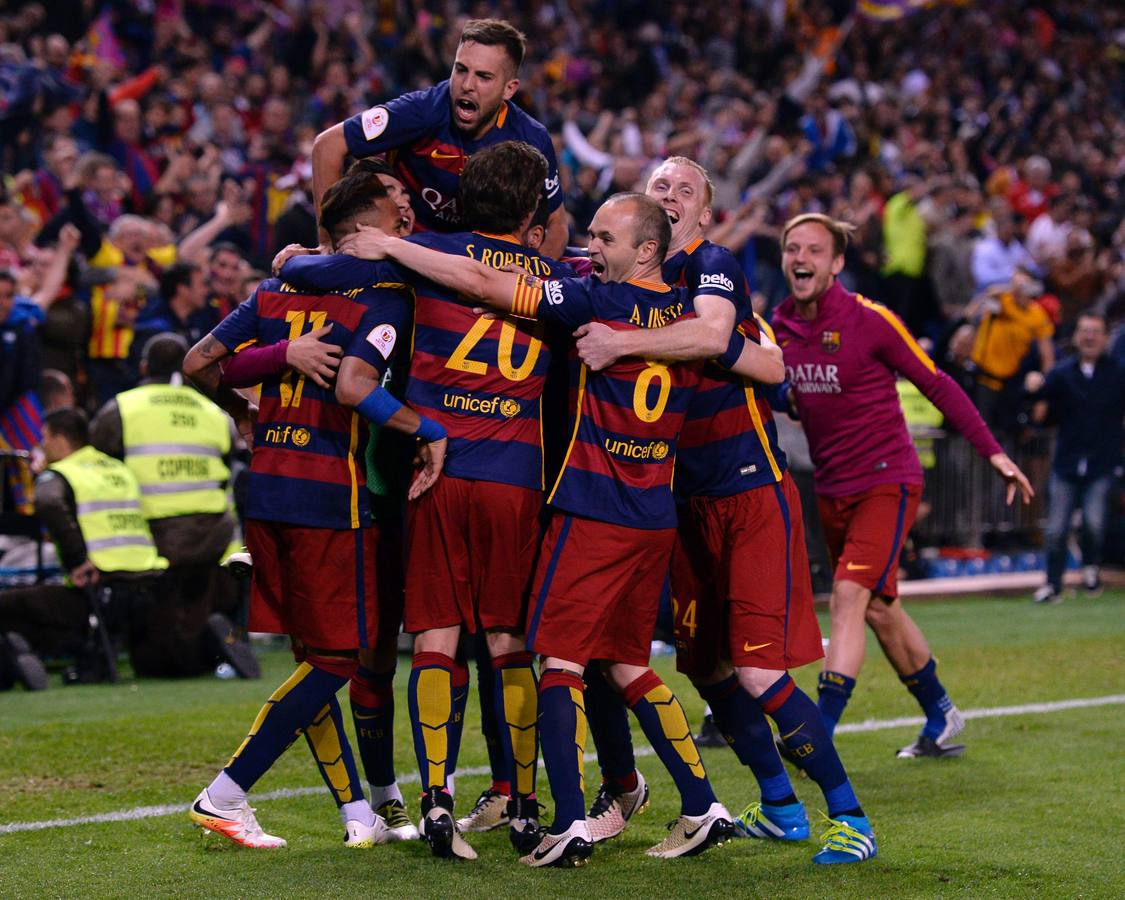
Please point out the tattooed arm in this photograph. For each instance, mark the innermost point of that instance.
(201, 368)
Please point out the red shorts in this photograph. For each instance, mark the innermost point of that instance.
(470, 551)
(597, 590)
(316, 585)
(740, 583)
(865, 532)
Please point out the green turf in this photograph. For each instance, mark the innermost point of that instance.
(1033, 810)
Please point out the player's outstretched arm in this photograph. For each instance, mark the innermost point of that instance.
(704, 336)
(471, 279)
(762, 362)
(898, 350)
(329, 151)
(357, 385)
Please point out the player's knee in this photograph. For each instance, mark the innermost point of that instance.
(438, 640)
(553, 662)
(621, 675)
(881, 615)
(757, 681)
(501, 643)
(849, 597)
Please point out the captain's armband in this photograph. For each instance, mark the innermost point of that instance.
(526, 295)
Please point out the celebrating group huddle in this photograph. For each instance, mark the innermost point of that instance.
(436, 345)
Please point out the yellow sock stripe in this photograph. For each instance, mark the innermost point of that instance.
(675, 726)
(521, 708)
(580, 735)
(434, 710)
(286, 686)
(327, 746)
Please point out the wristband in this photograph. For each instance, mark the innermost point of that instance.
(429, 430)
(378, 406)
(733, 351)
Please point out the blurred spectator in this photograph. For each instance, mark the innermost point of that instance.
(1085, 397)
(997, 254)
(1046, 237)
(20, 354)
(1031, 194)
(181, 308)
(1009, 325)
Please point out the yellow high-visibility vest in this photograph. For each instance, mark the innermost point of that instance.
(175, 440)
(108, 506)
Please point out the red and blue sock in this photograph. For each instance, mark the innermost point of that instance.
(517, 701)
(834, 690)
(803, 731)
(931, 696)
(285, 715)
(372, 698)
(666, 727)
(741, 721)
(430, 695)
(562, 727)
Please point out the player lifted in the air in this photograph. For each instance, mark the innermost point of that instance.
(429, 135)
(842, 354)
(742, 597)
(471, 541)
(604, 559)
(308, 521)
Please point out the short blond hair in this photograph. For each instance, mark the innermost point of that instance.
(840, 230)
(708, 187)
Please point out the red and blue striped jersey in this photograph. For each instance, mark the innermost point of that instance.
(416, 132)
(482, 378)
(307, 467)
(729, 440)
(627, 418)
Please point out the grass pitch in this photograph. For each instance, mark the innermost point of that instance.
(1034, 809)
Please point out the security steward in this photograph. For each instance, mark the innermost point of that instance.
(90, 505)
(177, 444)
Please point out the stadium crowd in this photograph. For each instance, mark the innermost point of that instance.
(980, 162)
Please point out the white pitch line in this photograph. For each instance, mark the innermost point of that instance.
(170, 809)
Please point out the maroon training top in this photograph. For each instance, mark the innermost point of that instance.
(841, 368)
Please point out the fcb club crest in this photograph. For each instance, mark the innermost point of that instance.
(830, 341)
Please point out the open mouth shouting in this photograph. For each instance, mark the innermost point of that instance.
(801, 276)
(465, 110)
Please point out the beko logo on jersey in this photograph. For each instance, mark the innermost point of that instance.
(814, 378)
(554, 292)
(374, 122)
(488, 406)
(718, 280)
(551, 185)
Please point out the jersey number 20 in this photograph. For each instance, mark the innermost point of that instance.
(460, 361)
